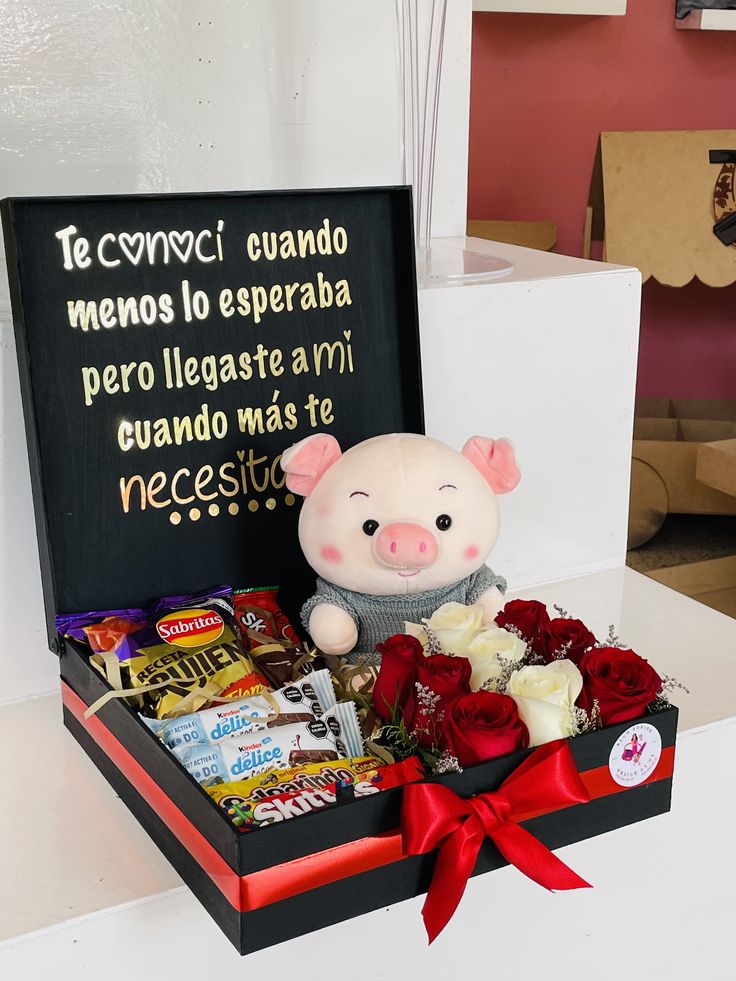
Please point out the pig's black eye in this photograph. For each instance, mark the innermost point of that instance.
(443, 522)
(370, 527)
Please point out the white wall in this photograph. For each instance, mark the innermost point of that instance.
(187, 95)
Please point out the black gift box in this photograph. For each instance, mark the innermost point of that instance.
(166, 360)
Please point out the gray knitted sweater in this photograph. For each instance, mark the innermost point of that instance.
(379, 617)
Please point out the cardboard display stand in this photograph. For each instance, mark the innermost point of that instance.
(170, 348)
(654, 198)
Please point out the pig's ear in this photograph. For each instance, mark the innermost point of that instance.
(495, 460)
(304, 463)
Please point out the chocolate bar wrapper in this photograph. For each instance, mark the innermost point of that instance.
(104, 631)
(259, 610)
(302, 701)
(332, 737)
(267, 805)
(278, 660)
(290, 779)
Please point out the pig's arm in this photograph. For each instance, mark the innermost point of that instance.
(333, 630)
(493, 602)
(488, 589)
(331, 619)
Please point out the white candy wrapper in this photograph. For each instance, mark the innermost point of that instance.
(336, 735)
(236, 720)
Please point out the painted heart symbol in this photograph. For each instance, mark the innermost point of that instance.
(177, 240)
(132, 245)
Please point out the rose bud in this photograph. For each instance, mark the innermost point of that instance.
(570, 636)
(442, 678)
(400, 659)
(622, 682)
(482, 726)
(527, 617)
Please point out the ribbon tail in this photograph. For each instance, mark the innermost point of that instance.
(535, 860)
(455, 861)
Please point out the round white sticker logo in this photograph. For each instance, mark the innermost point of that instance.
(635, 754)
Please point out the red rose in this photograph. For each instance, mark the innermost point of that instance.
(560, 633)
(482, 726)
(622, 682)
(400, 658)
(527, 617)
(443, 676)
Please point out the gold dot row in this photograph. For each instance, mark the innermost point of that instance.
(233, 508)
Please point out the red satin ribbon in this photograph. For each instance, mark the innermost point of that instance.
(434, 816)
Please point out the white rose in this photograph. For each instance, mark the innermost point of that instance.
(483, 651)
(416, 630)
(455, 625)
(545, 696)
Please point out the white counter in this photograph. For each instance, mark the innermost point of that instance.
(119, 905)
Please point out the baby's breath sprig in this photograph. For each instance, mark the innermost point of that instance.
(562, 651)
(563, 614)
(426, 698)
(612, 640)
(433, 644)
(508, 666)
(670, 683)
(588, 721)
(447, 763)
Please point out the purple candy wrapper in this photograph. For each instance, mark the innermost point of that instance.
(73, 624)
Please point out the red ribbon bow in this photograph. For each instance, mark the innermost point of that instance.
(433, 815)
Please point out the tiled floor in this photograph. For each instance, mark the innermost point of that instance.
(686, 538)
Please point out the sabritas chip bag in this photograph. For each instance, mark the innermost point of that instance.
(197, 654)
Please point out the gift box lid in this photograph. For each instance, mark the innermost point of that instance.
(171, 347)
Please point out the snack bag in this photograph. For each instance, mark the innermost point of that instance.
(195, 653)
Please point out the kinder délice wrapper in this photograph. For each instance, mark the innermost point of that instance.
(302, 790)
(332, 737)
(301, 702)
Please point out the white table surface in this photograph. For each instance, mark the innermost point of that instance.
(84, 892)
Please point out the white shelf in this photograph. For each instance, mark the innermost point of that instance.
(708, 20)
(601, 7)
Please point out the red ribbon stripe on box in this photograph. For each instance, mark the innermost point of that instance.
(258, 889)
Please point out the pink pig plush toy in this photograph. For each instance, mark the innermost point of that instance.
(394, 528)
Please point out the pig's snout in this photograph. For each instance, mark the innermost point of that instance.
(405, 546)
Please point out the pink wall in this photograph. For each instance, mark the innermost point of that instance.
(542, 89)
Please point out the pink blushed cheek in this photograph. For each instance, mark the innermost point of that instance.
(471, 552)
(331, 554)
